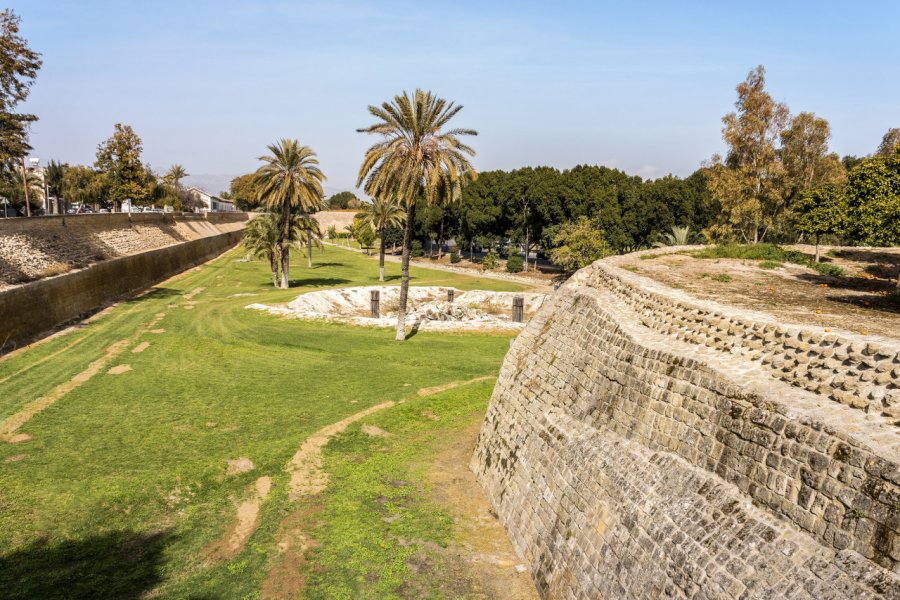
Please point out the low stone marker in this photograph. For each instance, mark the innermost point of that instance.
(450, 295)
(518, 309)
(375, 302)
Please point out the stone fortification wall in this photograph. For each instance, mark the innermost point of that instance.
(340, 219)
(643, 444)
(31, 309)
(34, 248)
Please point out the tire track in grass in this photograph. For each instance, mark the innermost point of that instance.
(308, 479)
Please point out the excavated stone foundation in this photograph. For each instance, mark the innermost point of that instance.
(643, 444)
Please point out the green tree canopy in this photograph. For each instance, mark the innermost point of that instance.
(119, 159)
(820, 211)
(343, 201)
(578, 244)
(19, 66)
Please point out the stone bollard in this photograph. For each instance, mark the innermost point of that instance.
(518, 309)
(450, 295)
(375, 302)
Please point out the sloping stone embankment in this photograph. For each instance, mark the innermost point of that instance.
(642, 444)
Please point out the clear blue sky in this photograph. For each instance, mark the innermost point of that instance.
(640, 86)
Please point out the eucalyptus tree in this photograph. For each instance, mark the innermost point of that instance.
(381, 214)
(417, 160)
(290, 178)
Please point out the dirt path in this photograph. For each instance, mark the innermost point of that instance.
(246, 520)
(482, 543)
(307, 476)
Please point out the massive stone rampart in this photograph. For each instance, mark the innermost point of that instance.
(643, 444)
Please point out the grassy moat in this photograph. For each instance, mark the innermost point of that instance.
(117, 482)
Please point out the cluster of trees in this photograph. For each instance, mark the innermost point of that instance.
(779, 181)
(532, 206)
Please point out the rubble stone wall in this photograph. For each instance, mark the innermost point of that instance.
(643, 444)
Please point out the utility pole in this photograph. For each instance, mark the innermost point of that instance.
(25, 185)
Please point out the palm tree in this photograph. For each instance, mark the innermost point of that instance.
(415, 161)
(13, 187)
(290, 178)
(174, 175)
(381, 214)
(54, 176)
(680, 236)
(262, 238)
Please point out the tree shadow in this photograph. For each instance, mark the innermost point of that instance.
(327, 264)
(317, 282)
(119, 564)
(413, 331)
(856, 284)
(890, 303)
(155, 294)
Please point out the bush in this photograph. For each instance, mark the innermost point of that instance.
(416, 249)
(490, 261)
(454, 257)
(827, 269)
(515, 263)
(770, 264)
(723, 277)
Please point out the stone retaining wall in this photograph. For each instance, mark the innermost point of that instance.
(38, 247)
(640, 444)
(31, 309)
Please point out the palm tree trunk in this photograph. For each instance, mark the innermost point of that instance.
(381, 258)
(404, 277)
(309, 249)
(273, 264)
(285, 247)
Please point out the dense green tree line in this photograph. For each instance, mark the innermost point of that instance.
(535, 203)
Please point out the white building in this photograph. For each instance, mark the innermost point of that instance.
(212, 203)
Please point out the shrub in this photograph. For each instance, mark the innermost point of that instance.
(723, 277)
(416, 249)
(489, 262)
(827, 269)
(515, 263)
(770, 264)
(454, 257)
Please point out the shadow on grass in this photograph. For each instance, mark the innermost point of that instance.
(155, 294)
(413, 331)
(120, 564)
(320, 265)
(317, 282)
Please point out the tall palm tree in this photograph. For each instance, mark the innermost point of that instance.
(381, 214)
(289, 178)
(416, 162)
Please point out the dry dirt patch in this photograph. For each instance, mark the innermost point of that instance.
(119, 369)
(792, 293)
(246, 521)
(374, 431)
(239, 465)
(140, 347)
(482, 543)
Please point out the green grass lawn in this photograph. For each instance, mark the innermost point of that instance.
(123, 483)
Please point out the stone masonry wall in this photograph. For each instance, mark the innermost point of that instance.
(643, 444)
(38, 247)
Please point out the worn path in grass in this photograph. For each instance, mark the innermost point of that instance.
(124, 482)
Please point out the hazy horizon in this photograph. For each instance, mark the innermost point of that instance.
(210, 84)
